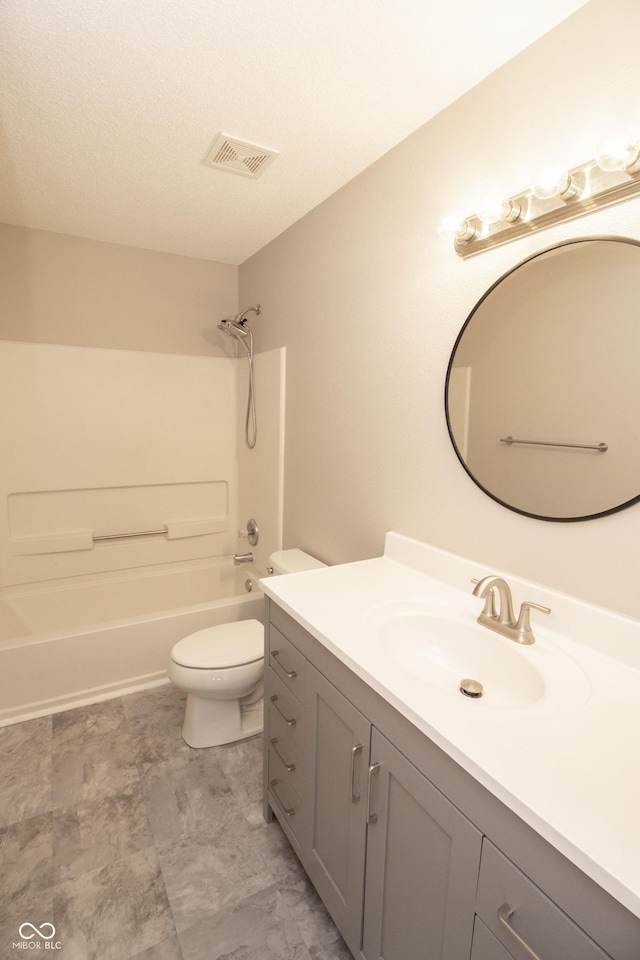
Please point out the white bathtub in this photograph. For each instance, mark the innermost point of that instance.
(66, 643)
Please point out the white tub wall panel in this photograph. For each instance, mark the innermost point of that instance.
(11, 624)
(261, 470)
(38, 519)
(87, 419)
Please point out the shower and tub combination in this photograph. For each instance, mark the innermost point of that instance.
(89, 608)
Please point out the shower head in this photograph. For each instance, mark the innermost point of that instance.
(233, 328)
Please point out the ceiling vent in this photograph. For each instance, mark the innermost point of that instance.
(235, 156)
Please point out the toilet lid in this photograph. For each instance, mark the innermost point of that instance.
(227, 645)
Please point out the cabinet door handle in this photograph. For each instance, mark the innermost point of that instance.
(371, 816)
(289, 673)
(288, 766)
(356, 751)
(290, 721)
(288, 811)
(504, 915)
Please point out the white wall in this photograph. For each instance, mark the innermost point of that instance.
(369, 298)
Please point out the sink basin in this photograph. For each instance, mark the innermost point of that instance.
(440, 647)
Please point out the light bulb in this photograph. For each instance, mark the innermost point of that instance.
(495, 210)
(490, 210)
(553, 182)
(450, 225)
(466, 231)
(620, 151)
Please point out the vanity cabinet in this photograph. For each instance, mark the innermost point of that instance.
(422, 863)
(413, 858)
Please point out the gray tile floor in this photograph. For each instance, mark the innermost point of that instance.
(134, 845)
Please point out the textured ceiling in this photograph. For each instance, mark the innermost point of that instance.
(108, 107)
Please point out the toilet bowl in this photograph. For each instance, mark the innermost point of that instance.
(221, 669)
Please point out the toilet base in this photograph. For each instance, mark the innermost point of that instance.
(210, 723)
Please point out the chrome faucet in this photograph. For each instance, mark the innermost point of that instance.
(243, 558)
(502, 619)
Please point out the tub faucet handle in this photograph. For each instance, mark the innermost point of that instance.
(250, 533)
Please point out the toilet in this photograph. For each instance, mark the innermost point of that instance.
(221, 669)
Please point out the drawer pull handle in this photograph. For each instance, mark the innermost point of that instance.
(504, 915)
(288, 766)
(371, 816)
(356, 751)
(289, 673)
(290, 721)
(288, 811)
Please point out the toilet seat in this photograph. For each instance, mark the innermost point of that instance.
(221, 647)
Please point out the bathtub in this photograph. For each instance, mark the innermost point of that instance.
(84, 639)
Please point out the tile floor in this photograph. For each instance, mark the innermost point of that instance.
(134, 845)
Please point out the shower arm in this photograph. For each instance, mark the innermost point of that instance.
(242, 317)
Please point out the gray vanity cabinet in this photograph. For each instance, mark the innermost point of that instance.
(422, 857)
(414, 859)
(393, 860)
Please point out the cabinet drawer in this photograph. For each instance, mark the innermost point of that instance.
(512, 907)
(286, 748)
(485, 946)
(287, 661)
(285, 799)
(284, 709)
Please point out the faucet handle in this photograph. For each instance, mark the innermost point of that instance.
(523, 626)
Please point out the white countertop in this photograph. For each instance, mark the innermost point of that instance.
(572, 774)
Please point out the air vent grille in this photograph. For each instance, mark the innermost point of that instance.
(236, 156)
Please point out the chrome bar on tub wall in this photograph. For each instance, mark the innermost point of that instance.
(601, 447)
(128, 536)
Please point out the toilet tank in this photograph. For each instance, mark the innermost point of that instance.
(293, 561)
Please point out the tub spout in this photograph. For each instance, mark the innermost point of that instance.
(243, 558)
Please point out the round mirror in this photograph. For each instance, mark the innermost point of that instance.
(543, 387)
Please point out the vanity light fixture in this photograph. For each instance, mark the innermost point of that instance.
(556, 195)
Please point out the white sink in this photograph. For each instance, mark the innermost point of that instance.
(439, 646)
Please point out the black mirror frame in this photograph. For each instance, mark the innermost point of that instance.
(503, 503)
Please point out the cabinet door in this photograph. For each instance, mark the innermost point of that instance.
(338, 744)
(423, 858)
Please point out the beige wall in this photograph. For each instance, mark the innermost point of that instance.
(369, 298)
(68, 290)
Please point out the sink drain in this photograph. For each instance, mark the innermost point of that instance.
(471, 688)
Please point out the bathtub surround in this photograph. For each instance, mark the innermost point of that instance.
(106, 442)
(103, 442)
(134, 845)
(367, 443)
